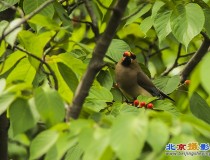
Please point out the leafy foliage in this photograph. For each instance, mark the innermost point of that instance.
(42, 63)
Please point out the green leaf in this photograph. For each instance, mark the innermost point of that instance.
(140, 10)
(63, 88)
(207, 22)
(158, 135)
(101, 140)
(74, 153)
(116, 49)
(75, 64)
(100, 93)
(204, 75)
(129, 131)
(105, 79)
(29, 6)
(5, 101)
(24, 71)
(97, 98)
(22, 116)
(2, 85)
(63, 15)
(69, 76)
(146, 99)
(11, 61)
(42, 143)
(186, 23)
(156, 7)
(9, 3)
(167, 84)
(50, 106)
(94, 105)
(146, 24)
(199, 107)
(35, 44)
(198, 124)
(11, 38)
(166, 106)
(162, 23)
(63, 143)
(44, 21)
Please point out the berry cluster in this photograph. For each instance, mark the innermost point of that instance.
(139, 104)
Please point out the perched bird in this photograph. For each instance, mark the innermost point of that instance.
(132, 81)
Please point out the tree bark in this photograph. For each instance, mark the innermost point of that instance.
(4, 125)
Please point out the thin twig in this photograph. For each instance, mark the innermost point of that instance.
(24, 19)
(12, 7)
(186, 55)
(167, 71)
(70, 9)
(134, 13)
(52, 73)
(93, 17)
(158, 51)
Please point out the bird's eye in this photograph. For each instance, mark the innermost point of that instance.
(126, 54)
(133, 56)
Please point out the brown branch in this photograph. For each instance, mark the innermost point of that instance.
(167, 71)
(97, 60)
(4, 126)
(24, 19)
(93, 17)
(196, 58)
(52, 73)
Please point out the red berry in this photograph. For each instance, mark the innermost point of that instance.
(142, 104)
(136, 102)
(187, 82)
(150, 105)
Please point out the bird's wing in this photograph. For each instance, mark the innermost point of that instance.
(144, 81)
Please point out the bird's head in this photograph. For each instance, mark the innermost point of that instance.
(128, 57)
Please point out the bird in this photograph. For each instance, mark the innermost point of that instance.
(132, 81)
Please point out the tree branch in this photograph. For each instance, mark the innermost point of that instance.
(167, 71)
(42, 62)
(196, 58)
(24, 19)
(97, 60)
(93, 18)
(4, 126)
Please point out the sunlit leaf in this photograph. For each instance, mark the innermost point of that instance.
(167, 84)
(42, 143)
(204, 76)
(162, 23)
(29, 6)
(69, 76)
(199, 107)
(116, 49)
(50, 106)
(5, 101)
(186, 23)
(129, 131)
(22, 116)
(140, 10)
(157, 138)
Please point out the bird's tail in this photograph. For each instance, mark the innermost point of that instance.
(163, 95)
